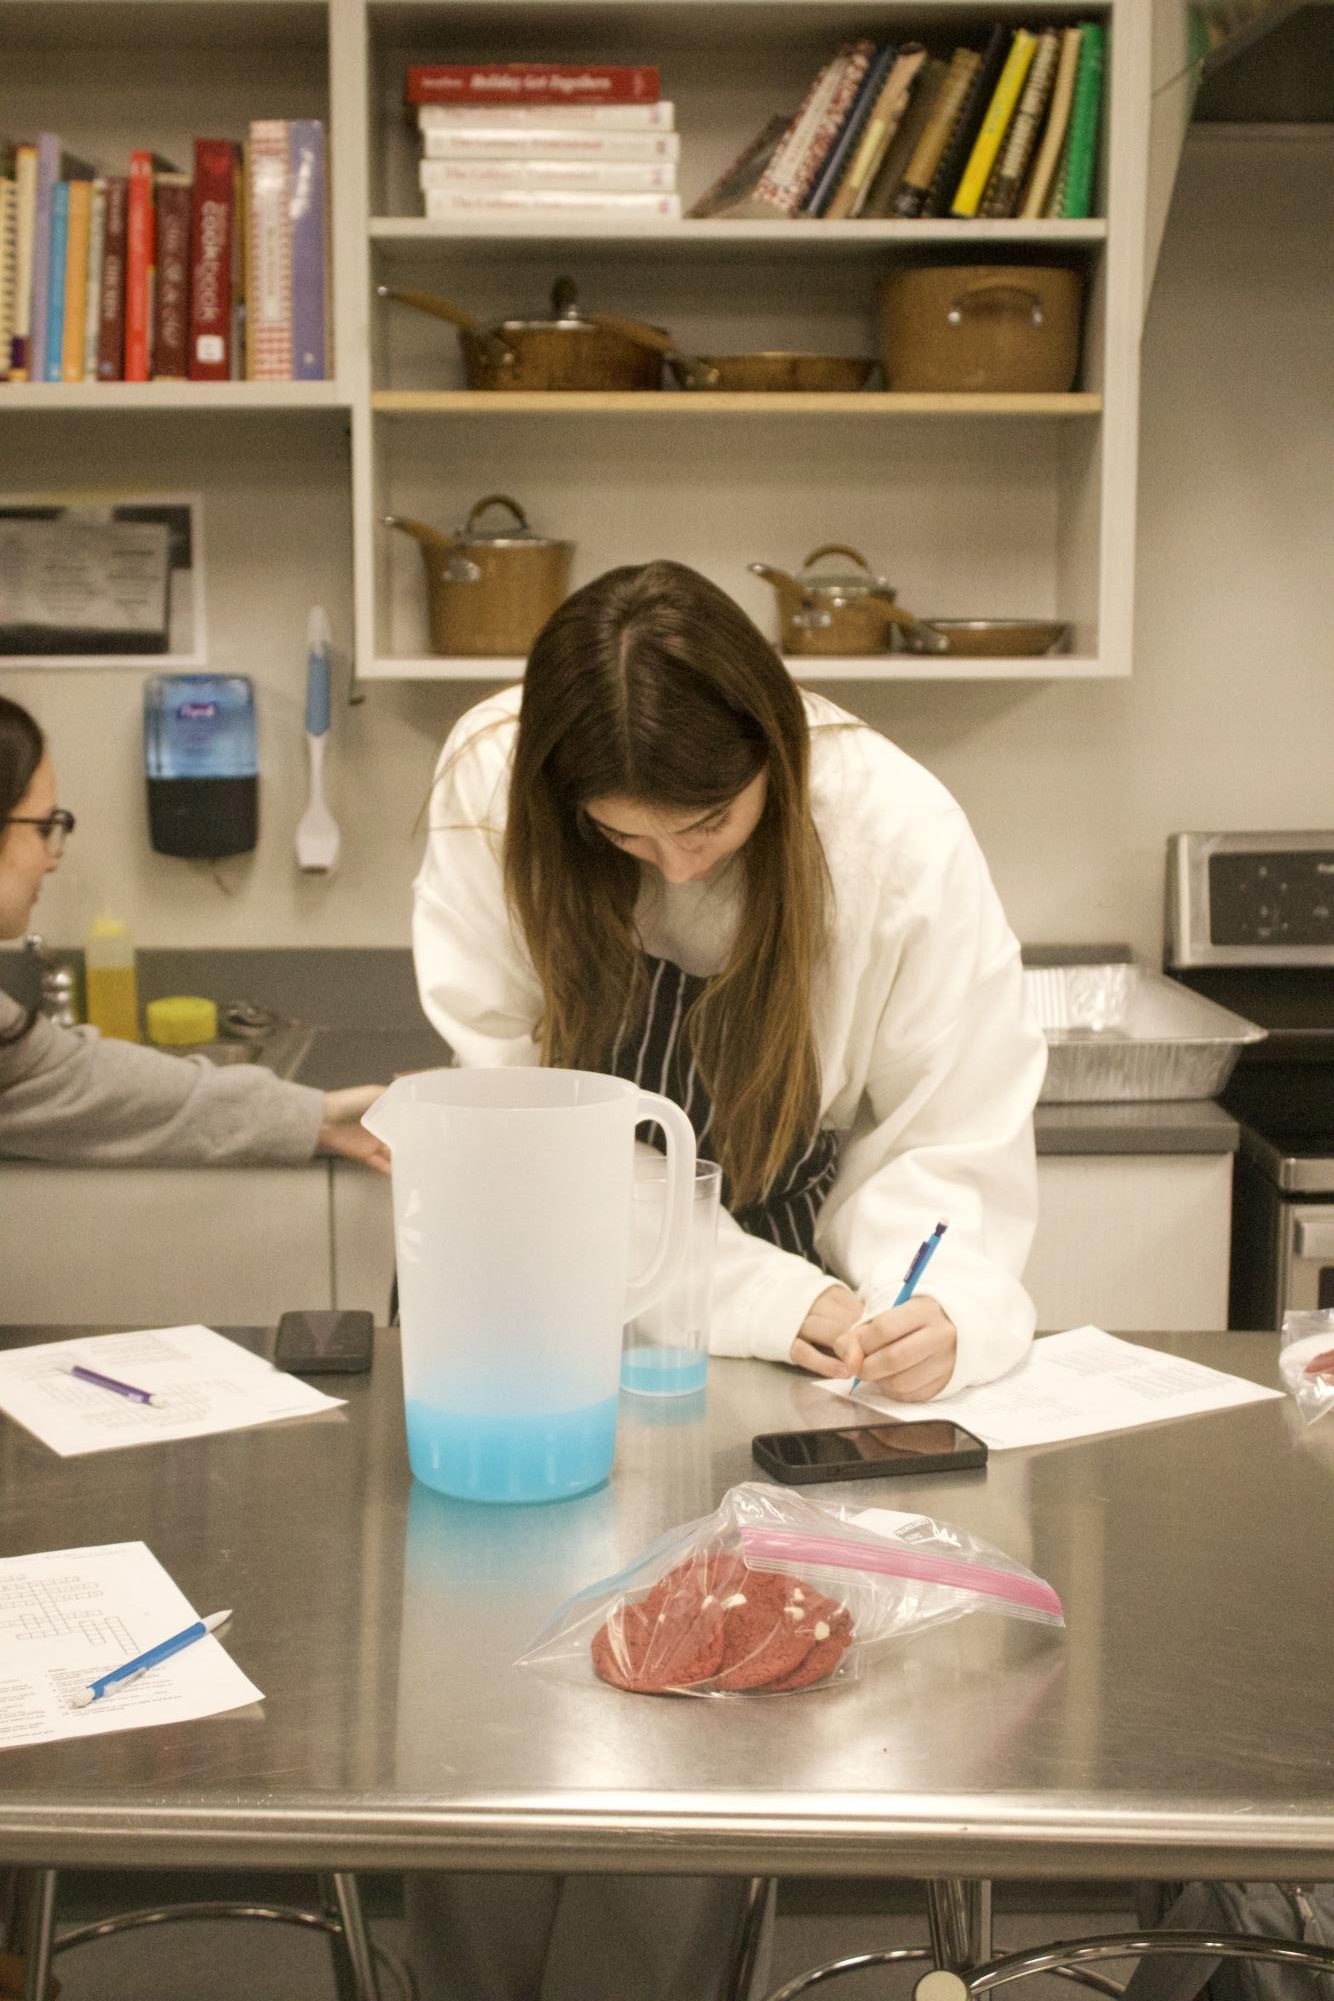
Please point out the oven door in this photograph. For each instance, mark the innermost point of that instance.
(1306, 1267)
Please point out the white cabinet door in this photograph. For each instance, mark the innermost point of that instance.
(1132, 1242)
(363, 1239)
(159, 1246)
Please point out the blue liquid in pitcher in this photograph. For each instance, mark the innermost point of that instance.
(664, 1372)
(512, 1457)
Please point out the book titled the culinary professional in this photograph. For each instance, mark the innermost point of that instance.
(545, 142)
(532, 83)
(212, 222)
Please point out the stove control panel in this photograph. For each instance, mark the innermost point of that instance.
(1250, 899)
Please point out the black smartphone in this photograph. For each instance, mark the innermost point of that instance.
(308, 1344)
(868, 1451)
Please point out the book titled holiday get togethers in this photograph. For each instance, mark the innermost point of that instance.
(532, 83)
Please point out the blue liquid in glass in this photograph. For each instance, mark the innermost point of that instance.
(508, 1457)
(664, 1372)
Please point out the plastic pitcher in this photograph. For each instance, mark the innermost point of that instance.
(512, 1192)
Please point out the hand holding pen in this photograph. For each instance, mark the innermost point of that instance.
(922, 1341)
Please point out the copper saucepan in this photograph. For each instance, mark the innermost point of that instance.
(571, 350)
(851, 610)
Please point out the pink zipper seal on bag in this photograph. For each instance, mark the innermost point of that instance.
(891, 1560)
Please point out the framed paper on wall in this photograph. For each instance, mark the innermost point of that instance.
(102, 580)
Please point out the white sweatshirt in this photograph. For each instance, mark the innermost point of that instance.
(930, 1062)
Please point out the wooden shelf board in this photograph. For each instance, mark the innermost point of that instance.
(858, 667)
(198, 24)
(195, 397)
(718, 403)
(679, 23)
(414, 234)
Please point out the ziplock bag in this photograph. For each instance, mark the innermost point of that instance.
(774, 1592)
(1306, 1361)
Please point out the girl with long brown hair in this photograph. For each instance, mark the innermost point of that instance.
(662, 859)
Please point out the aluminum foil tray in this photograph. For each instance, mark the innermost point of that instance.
(1118, 1032)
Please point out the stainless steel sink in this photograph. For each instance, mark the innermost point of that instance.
(252, 1034)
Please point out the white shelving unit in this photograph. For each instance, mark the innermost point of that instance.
(1004, 506)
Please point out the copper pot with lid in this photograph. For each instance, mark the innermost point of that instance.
(491, 590)
(851, 610)
(568, 350)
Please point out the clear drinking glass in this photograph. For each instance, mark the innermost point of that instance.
(665, 1351)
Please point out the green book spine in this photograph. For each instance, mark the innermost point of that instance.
(1085, 114)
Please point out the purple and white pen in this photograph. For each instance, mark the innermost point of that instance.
(101, 1382)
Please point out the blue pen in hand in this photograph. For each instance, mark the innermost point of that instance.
(921, 1258)
(142, 1662)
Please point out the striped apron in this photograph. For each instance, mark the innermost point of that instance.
(657, 1057)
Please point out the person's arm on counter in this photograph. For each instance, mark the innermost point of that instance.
(70, 1095)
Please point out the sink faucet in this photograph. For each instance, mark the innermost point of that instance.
(57, 984)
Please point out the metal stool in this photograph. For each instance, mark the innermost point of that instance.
(340, 1919)
(959, 1919)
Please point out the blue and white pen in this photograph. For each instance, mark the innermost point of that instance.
(101, 1382)
(921, 1258)
(142, 1662)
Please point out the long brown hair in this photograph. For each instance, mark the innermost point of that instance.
(22, 747)
(652, 684)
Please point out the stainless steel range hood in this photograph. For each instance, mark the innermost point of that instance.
(1235, 62)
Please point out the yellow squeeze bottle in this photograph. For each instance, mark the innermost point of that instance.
(111, 984)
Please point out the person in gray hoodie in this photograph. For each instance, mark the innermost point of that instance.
(69, 1095)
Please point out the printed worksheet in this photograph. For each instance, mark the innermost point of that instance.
(70, 1615)
(199, 1382)
(1072, 1386)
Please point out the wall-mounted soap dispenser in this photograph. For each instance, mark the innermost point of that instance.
(202, 763)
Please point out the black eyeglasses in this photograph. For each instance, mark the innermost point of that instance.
(54, 825)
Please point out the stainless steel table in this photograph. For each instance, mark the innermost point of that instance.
(1181, 1726)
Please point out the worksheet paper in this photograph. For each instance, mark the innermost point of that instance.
(1072, 1386)
(206, 1384)
(70, 1615)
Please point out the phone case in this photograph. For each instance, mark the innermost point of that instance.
(327, 1341)
(766, 1451)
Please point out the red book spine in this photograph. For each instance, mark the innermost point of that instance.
(139, 267)
(532, 83)
(111, 298)
(211, 228)
(171, 296)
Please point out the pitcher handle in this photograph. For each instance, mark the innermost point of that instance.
(671, 1245)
